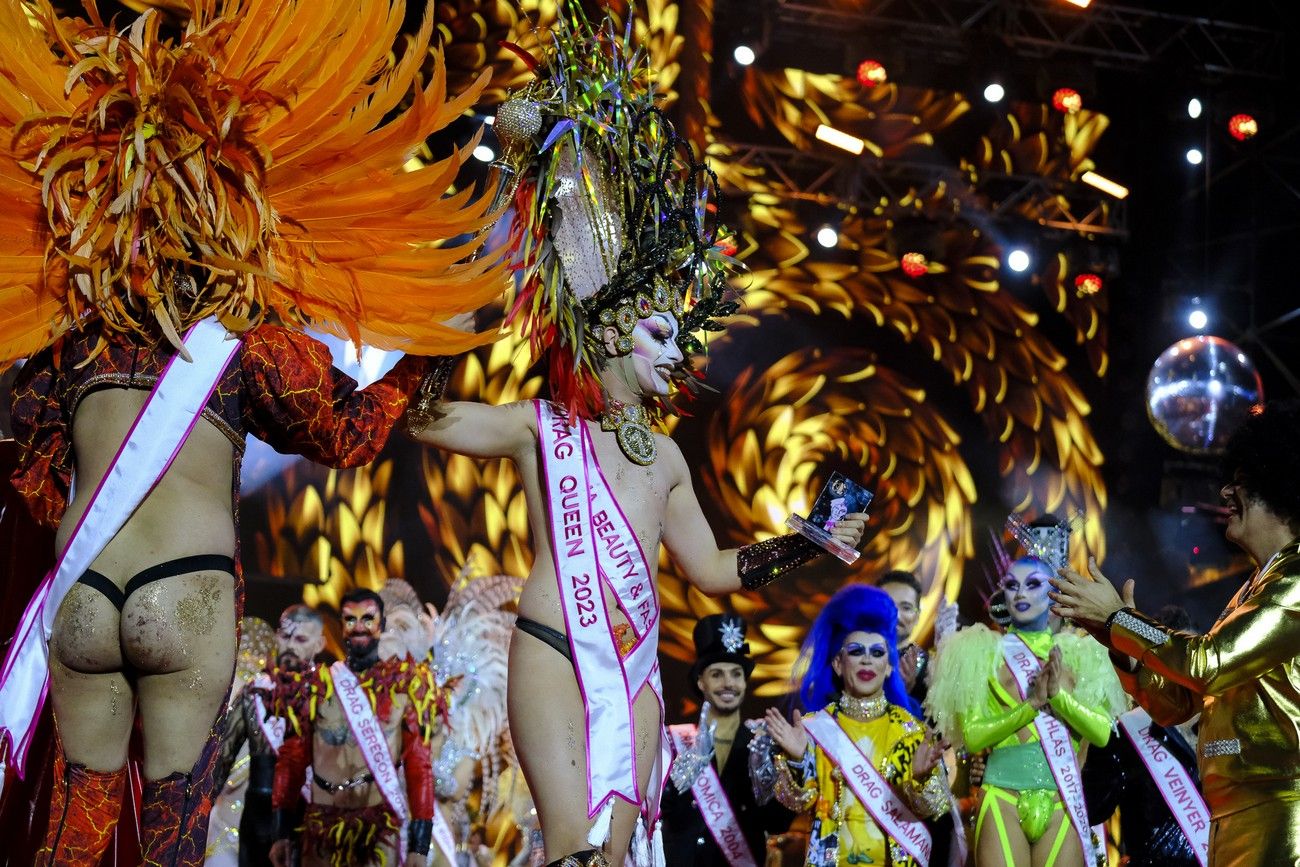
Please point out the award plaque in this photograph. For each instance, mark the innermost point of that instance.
(840, 497)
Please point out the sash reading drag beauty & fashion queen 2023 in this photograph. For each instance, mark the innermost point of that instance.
(151, 445)
(597, 552)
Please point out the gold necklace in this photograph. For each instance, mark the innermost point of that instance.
(631, 424)
(863, 709)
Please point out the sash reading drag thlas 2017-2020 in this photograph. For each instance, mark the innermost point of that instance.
(1054, 738)
(151, 445)
(596, 552)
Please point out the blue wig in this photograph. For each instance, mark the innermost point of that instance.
(855, 608)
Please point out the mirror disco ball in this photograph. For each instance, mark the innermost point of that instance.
(1199, 391)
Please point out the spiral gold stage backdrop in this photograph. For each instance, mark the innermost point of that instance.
(955, 397)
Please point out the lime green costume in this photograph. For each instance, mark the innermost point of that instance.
(975, 711)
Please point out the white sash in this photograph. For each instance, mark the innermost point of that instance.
(870, 788)
(594, 547)
(1054, 738)
(372, 743)
(442, 836)
(711, 798)
(155, 438)
(1173, 781)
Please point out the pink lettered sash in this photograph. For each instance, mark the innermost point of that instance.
(442, 836)
(870, 787)
(1173, 781)
(711, 798)
(594, 547)
(152, 444)
(272, 727)
(1054, 738)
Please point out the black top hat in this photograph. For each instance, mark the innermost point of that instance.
(720, 638)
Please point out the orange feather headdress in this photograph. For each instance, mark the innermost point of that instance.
(253, 166)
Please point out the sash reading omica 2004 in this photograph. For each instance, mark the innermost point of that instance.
(841, 496)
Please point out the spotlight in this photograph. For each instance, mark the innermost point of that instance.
(1067, 100)
(1018, 260)
(1082, 4)
(744, 55)
(914, 264)
(839, 139)
(1198, 319)
(1193, 108)
(1087, 284)
(1194, 156)
(828, 237)
(994, 92)
(1242, 127)
(484, 153)
(872, 72)
(1106, 185)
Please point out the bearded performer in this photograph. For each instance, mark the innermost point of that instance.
(355, 724)
(176, 210)
(1035, 698)
(861, 762)
(1243, 675)
(299, 637)
(617, 273)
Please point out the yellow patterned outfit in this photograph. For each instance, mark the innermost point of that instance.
(1244, 678)
(976, 711)
(843, 832)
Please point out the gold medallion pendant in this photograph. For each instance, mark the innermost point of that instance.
(631, 425)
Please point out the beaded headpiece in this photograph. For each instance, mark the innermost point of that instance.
(614, 216)
(1047, 539)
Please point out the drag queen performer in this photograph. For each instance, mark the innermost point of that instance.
(617, 272)
(1244, 674)
(864, 812)
(1033, 697)
(231, 184)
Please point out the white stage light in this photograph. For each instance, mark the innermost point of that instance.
(1198, 319)
(1193, 108)
(994, 92)
(1018, 260)
(828, 237)
(1194, 156)
(744, 55)
(484, 153)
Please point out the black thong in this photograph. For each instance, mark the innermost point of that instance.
(554, 637)
(170, 569)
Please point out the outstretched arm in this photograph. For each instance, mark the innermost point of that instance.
(691, 542)
(477, 430)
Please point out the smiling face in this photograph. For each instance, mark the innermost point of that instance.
(863, 664)
(1025, 587)
(723, 685)
(648, 369)
(297, 642)
(362, 626)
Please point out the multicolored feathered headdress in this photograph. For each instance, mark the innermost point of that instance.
(615, 219)
(253, 166)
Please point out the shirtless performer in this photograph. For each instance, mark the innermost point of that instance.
(299, 637)
(611, 257)
(159, 186)
(358, 802)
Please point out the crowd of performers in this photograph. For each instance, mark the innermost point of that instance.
(183, 201)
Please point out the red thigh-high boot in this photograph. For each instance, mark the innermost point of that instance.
(84, 806)
(174, 810)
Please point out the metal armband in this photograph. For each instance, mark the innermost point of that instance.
(762, 563)
(422, 410)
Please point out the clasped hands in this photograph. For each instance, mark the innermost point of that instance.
(1052, 678)
(792, 738)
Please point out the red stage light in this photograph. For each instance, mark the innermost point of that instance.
(1087, 284)
(1242, 127)
(914, 264)
(1067, 100)
(871, 73)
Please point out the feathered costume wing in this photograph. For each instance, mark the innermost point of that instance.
(262, 154)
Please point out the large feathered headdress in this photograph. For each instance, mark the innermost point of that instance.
(615, 218)
(253, 166)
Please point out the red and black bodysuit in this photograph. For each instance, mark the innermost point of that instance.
(282, 388)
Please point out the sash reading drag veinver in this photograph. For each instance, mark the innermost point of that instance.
(711, 798)
(1054, 738)
(1173, 781)
(596, 551)
(870, 787)
(152, 444)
